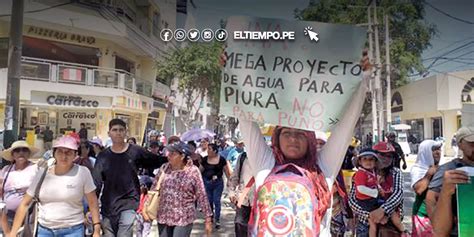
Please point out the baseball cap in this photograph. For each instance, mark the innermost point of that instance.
(383, 147)
(465, 133)
(66, 142)
(180, 147)
(364, 152)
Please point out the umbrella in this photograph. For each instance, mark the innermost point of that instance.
(197, 134)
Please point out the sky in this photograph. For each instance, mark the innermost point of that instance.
(451, 33)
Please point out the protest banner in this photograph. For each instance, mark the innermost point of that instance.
(465, 205)
(303, 83)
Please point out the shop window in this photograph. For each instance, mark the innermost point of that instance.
(437, 124)
(417, 129)
(4, 52)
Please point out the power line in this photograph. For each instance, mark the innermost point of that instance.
(42, 9)
(449, 52)
(449, 15)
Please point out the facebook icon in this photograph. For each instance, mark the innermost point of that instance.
(166, 35)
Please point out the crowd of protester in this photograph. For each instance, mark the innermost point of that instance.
(322, 184)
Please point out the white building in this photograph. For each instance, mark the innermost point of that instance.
(433, 105)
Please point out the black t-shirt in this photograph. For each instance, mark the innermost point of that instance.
(83, 133)
(48, 136)
(117, 173)
(397, 157)
(211, 170)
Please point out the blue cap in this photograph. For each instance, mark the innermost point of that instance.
(180, 147)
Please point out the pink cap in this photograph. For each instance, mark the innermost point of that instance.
(66, 142)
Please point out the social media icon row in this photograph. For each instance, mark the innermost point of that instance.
(193, 35)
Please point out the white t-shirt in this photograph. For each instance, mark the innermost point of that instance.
(16, 184)
(61, 196)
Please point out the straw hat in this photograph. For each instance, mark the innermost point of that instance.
(7, 154)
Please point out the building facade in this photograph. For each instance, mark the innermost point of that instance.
(433, 105)
(87, 62)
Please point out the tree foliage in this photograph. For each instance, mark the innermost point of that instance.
(409, 33)
(196, 66)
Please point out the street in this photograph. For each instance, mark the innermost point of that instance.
(227, 222)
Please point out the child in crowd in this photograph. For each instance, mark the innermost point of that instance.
(143, 225)
(369, 194)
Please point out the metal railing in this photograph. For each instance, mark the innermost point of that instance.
(36, 70)
(72, 73)
(144, 88)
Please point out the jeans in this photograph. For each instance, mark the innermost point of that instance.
(175, 231)
(121, 225)
(214, 190)
(362, 230)
(143, 227)
(73, 231)
(242, 216)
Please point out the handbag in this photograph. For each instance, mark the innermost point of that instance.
(30, 224)
(152, 202)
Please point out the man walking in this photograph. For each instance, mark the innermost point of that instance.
(116, 170)
(83, 132)
(400, 156)
(47, 139)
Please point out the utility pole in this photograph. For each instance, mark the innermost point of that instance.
(12, 104)
(388, 69)
(371, 84)
(378, 87)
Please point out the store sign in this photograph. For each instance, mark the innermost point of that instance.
(79, 115)
(467, 94)
(397, 102)
(76, 101)
(59, 35)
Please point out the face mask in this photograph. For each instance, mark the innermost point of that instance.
(239, 149)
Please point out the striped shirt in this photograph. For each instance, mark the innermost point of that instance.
(393, 202)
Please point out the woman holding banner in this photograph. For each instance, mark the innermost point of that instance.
(296, 146)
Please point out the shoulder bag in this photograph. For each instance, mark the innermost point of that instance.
(152, 202)
(30, 224)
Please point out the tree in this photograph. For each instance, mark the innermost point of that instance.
(196, 66)
(409, 33)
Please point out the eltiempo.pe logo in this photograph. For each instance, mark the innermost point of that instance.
(193, 35)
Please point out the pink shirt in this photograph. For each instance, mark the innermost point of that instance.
(16, 184)
(180, 190)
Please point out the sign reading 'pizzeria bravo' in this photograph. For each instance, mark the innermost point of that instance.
(59, 35)
(76, 101)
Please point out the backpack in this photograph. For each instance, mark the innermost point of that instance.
(285, 204)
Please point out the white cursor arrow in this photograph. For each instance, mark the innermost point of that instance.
(312, 35)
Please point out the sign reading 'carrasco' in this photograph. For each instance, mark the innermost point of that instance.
(79, 115)
(71, 101)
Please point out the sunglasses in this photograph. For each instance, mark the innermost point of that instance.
(21, 149)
